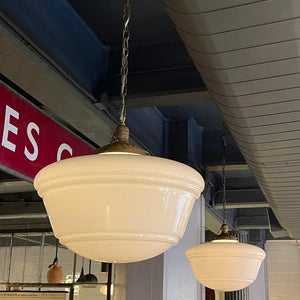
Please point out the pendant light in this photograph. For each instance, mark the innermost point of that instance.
(225, 264)
(91, 277)
(120, 204)
(55, 273)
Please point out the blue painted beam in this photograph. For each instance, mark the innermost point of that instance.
(56, 29)
(185, 142)
(149, 126)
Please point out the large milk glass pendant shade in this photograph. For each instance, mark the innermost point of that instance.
(225, 264)
(119, 204)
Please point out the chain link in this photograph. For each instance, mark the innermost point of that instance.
(223, 171)
(124, 59)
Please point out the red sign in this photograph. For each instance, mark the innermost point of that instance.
(30, 140)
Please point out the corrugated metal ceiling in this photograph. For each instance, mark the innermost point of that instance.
(247, 52)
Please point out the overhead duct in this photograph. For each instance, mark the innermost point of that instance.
(247, 52)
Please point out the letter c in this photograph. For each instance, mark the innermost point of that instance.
(63, 147)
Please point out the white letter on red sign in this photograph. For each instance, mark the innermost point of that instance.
(32, 156)
(9, 127)
(61, 148)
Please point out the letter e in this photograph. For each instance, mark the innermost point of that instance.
(8, 127)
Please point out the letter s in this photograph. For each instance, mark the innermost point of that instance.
(32, 156)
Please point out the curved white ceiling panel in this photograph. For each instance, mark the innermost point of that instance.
(234, 18)
(194, 6)
(244, 38)
(248, 54)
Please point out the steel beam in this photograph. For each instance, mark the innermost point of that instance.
(252, 222)
(24, 65)
(163, 98)
(249, 198)
(15, 186)
(17, 210)
(235, 167)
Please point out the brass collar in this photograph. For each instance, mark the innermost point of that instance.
(119, 143)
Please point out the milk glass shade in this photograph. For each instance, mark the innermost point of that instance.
(119, 207)
(225, 265)
(103, 290)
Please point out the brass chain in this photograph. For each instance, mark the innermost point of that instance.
(223, 171)
(124, 59)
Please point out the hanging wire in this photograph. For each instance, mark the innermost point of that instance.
(124, 59)
(90, 266)
(223, 171)
(56, 248)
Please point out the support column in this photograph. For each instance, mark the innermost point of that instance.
(179, 279)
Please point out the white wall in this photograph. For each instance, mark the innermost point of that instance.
(283, 268)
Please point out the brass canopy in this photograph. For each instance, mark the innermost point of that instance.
(119, 143)
(225, 235)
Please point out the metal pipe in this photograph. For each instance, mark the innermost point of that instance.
(109, 281)
(26, 239)
(202, 238)
(71, 296)
(24, 216)
(74, 266)
(24, 261)
(4, 261)
(10, 257)
(41, 258)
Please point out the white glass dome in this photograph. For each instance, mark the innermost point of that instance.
(118, 206)
(225, 265)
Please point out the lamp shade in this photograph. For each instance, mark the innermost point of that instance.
(119, 207)
(225, 266)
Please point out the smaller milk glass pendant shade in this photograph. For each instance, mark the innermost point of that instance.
(225, 264)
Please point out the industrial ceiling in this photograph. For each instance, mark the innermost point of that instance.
(192, 65)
